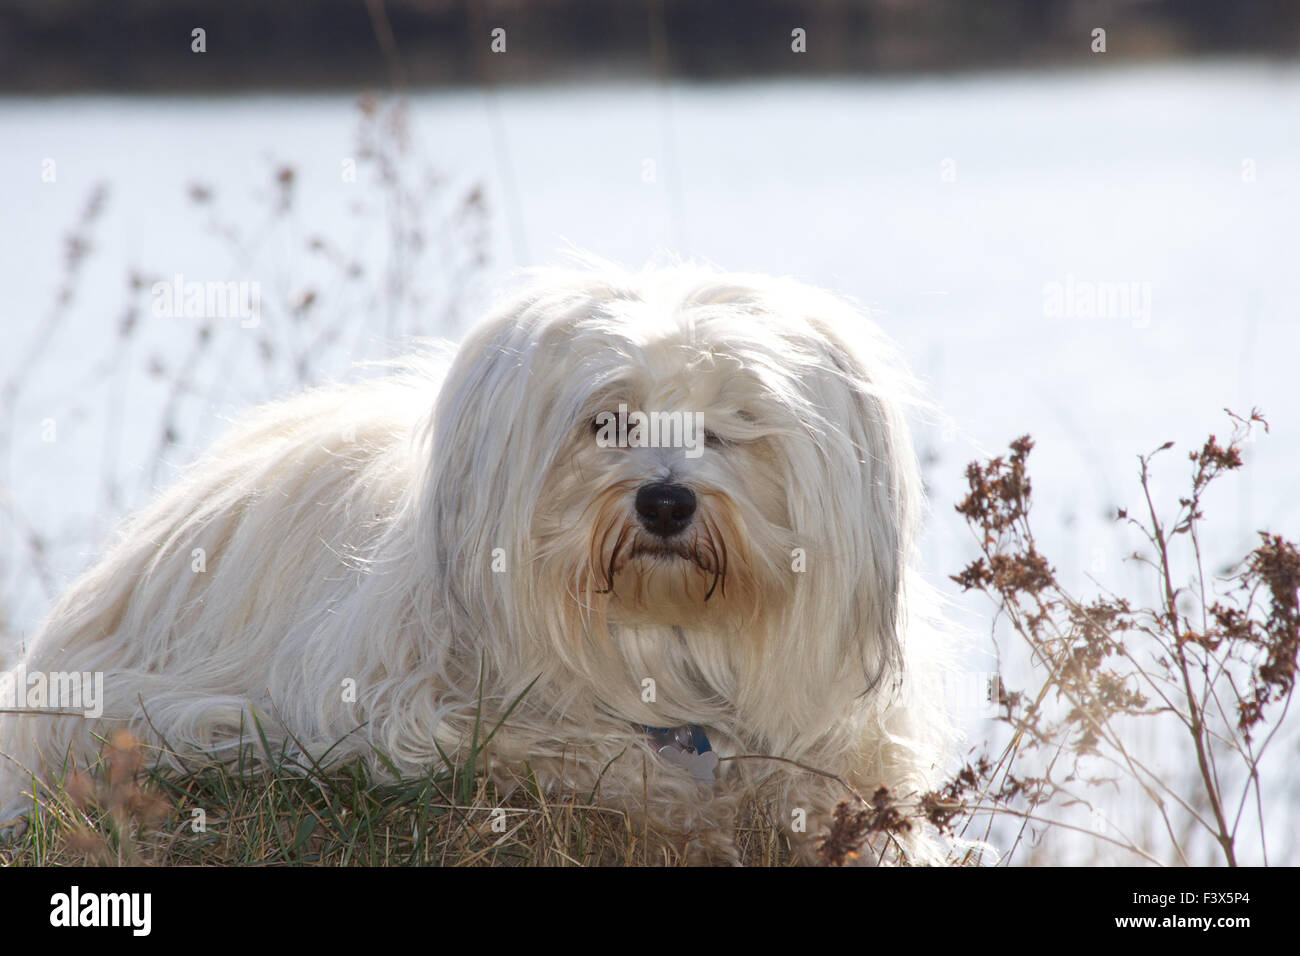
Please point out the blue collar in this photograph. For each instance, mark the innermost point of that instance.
(690, 738)
(687, 747)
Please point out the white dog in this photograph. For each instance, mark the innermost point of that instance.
(671, 514)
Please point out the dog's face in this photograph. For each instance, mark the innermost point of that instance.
(669, 502)
(705, 452)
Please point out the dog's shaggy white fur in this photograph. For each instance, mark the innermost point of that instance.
(440, 540)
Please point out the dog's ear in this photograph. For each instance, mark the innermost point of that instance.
(502, 416)
(873, 478)
(468, 447)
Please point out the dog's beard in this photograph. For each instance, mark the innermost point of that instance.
(704, 574)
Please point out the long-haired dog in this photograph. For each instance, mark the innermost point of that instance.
(656, 526)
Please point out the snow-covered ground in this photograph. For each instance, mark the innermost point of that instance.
(974, 214)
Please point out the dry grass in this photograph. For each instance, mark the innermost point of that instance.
(292, 814)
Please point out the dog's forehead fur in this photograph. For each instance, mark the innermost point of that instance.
(689, 339)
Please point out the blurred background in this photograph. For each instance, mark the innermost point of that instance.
(1078, 219)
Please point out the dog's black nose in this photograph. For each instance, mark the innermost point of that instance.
(665, 509)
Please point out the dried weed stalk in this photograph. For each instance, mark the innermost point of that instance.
(1215, 672)
(1208, 671)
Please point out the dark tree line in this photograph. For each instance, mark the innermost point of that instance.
(146, 45)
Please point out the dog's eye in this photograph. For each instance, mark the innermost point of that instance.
(713, 441)
(604, 419)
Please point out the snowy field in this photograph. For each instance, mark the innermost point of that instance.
(977, 216)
